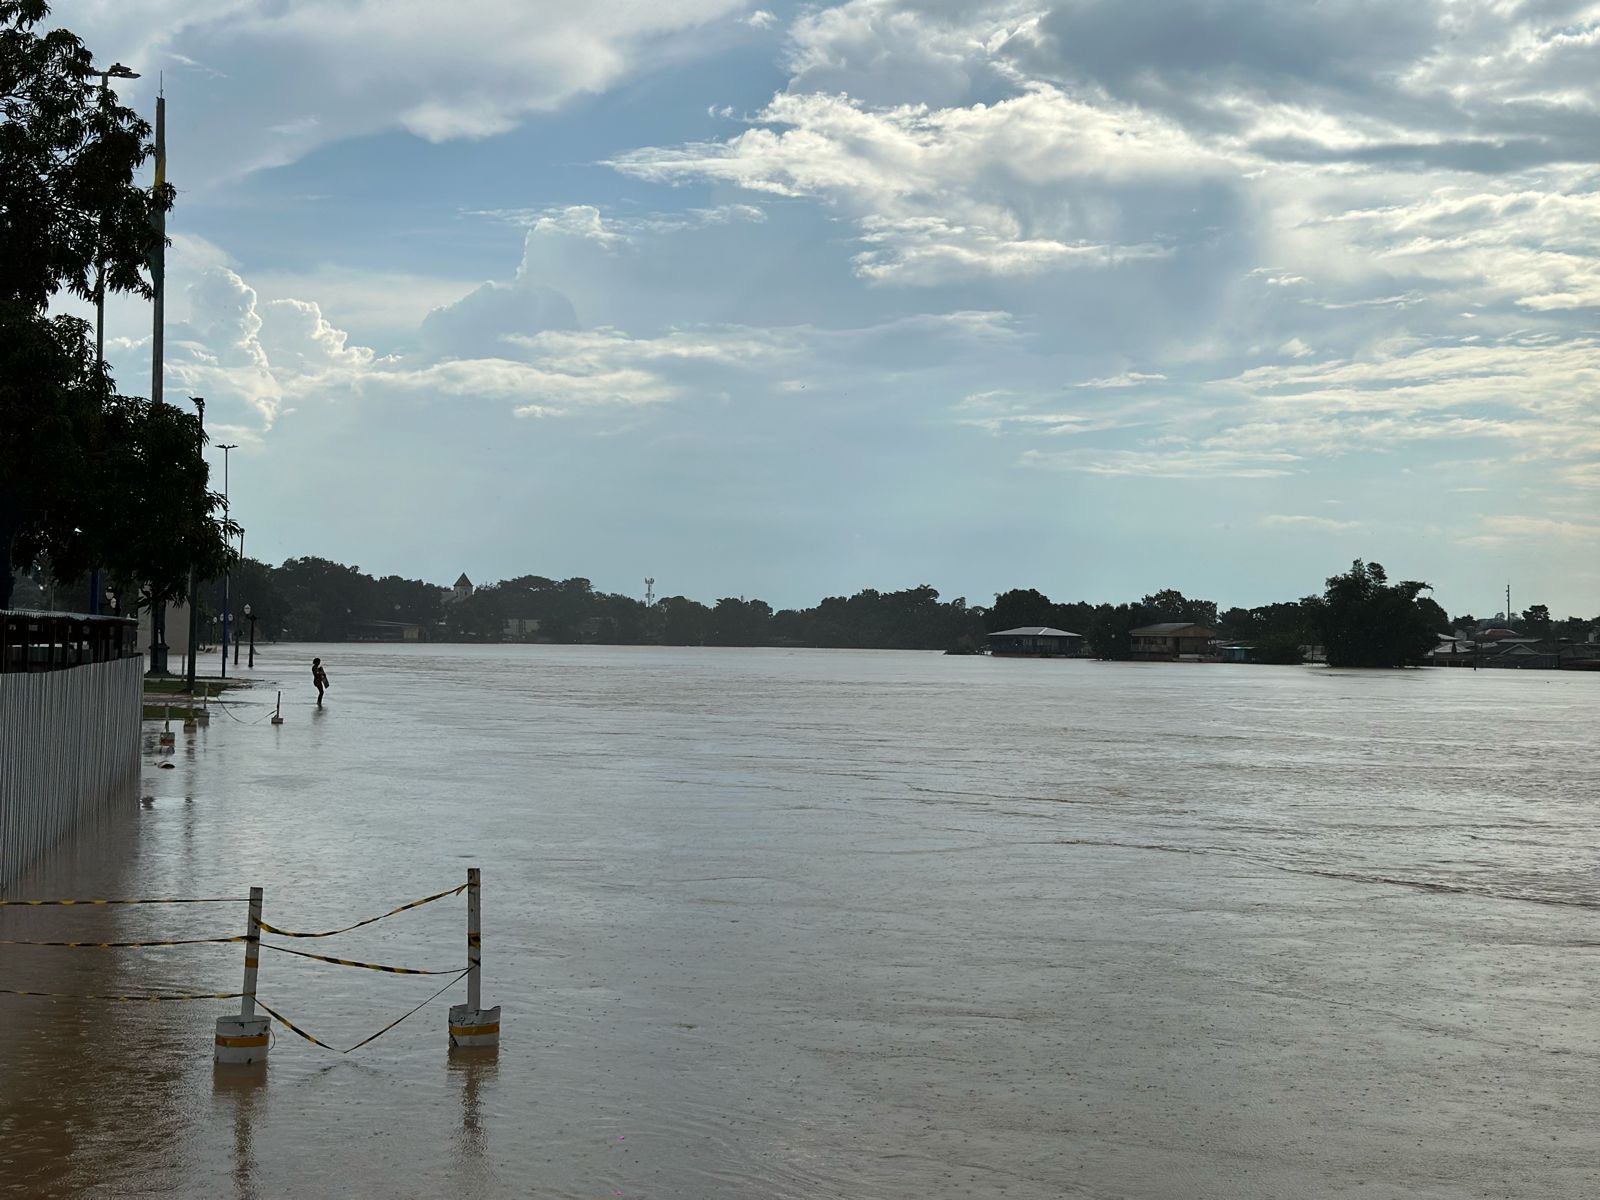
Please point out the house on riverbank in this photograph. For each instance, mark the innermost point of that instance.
(1035, 641)
(1168, 641)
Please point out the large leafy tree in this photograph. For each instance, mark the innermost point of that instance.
(1366, 621)
(87, 477)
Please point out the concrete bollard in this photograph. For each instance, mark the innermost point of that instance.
(243, 1039)
(204, 715)
(472, 1025)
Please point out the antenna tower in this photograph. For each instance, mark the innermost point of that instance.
(649, 592)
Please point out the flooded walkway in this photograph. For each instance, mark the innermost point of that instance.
(832, 924)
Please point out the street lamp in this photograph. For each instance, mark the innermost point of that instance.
(246, 607)
(114, 71)
(226, 574)
(251, 617)
(194, 606)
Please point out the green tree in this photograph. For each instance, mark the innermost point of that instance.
(324, 598)
(1172, 605)
(1438, 620)
(1536, 621)
(1111, 632)
(739, 622)
(1019, 608)
(92, 479)
(1363, 620)
(72, 220)
(683, 622)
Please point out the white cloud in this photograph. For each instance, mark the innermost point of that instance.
(1176, 462)
(1503, 529)
(265, 84)
(1123, 379)
(1321, 524)
(934, 192)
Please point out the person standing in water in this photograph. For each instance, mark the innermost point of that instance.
(319, 678)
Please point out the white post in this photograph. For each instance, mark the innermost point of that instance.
(252, 955)
(243, 1039)
(471, 1024)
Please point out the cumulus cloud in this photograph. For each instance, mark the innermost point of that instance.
(274, 81)
(936, 193)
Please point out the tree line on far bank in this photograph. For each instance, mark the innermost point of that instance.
(1359, 619)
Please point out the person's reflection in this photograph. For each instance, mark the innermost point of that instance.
(471, 1069)
(240, 1084)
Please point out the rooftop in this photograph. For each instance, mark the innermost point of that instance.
(1033, 631)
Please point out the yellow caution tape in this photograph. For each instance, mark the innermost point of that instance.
(350, 962)
(288, 1024)
(127, 945)
(153, 999)
(167, 900)
(283, 1020)
(331, 932)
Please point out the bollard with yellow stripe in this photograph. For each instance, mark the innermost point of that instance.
(472, 1025)
(243, 1039)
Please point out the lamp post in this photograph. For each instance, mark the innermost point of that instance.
(246, 607)
(114, 71)
(226, 574)
(251, 617)
(194, 584)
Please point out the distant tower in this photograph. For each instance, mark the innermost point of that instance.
(649, 592)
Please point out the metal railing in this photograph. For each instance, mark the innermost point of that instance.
(55, 641)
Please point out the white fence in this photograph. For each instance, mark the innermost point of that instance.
(69, 745)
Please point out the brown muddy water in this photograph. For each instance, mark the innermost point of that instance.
(836, 924)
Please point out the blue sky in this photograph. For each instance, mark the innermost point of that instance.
(788, 301)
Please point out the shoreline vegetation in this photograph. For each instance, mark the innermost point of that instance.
(1359, 619)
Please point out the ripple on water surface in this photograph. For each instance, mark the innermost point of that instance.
(801, 924)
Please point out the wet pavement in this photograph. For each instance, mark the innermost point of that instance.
(837, 924)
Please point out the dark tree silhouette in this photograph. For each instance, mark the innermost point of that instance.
(1365, 621)
(87, 477)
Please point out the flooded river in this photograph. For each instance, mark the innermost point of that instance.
(835, 924)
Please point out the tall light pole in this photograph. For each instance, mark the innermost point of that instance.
(194, 584)
(158, 322)
(246, 607)
(114, 71)
(226, 574)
